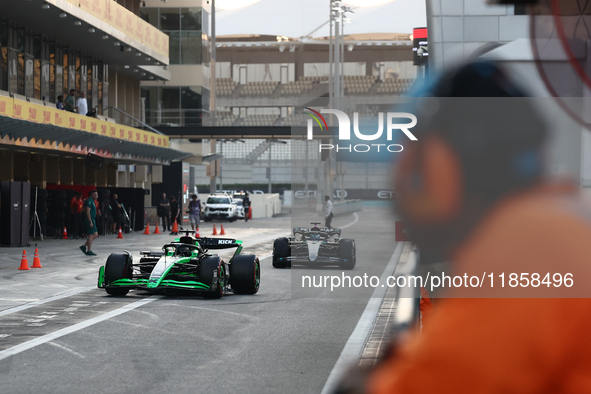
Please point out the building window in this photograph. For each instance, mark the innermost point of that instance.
(150, 15)
(183, 26)
(170, 19)
(191, 19)
(179, 106)
(190, 47)
(174, 47)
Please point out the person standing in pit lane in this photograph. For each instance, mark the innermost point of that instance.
(165, 212)
(246, 205)
(76, 211)
(174, 210)
(90, 221)
(194, 212)
(328, 215)
(116, 212)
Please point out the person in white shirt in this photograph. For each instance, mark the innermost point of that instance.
(328, 215)
(81, 104)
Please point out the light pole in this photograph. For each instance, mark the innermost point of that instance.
(338, 17)
(270, 184)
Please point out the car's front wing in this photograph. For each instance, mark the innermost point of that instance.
(144, 284)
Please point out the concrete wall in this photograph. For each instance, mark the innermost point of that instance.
(460, 28)
(265, 205)
(356, 175)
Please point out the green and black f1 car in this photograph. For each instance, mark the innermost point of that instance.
(183, 265)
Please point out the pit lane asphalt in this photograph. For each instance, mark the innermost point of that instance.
(272, 342)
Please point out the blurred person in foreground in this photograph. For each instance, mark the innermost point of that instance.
(472, 192)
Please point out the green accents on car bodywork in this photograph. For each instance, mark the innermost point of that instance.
(129, 282)
(238, 249)
(101, 278)
(189, 284)
(163, 283)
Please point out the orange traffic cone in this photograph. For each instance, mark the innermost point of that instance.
(249, 213)
(65, 236)
(24, 262)
(215, 232)
(222, 232)
(175, 227)
(147, 231)
(120, 234)
(157, 229)
(197, 233)
(36, 261)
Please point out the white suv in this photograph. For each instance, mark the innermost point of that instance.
(220, 206)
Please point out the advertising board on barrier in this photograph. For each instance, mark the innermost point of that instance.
(351, 194)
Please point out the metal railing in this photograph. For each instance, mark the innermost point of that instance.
(177, 117)
(124, 118)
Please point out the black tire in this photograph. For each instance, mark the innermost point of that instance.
(206, 219)
(347, 251)
(245, 274)
(118, 266)
(208, 265)
(281, 249)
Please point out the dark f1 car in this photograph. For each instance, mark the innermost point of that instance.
(183, 265)
(314, 246)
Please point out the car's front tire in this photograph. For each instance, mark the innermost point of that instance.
(245, 274)
(118, 266)
(281, 251)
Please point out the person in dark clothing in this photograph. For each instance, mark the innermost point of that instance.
(165, 212)
(174, 210)
(76, 206)
(194, 212)
(92, 113)
(70, 101)
(328, 214)
(116, 212)
(246, 205)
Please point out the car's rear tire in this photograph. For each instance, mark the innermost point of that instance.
(206, 269)
(118, 266)
(245, 274)
(347, 252)
(281, 251)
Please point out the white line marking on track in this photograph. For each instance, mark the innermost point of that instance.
(222, 311)
(76, 327)
(46, 300)
(354, 345)
(353, 222)
(67, 349)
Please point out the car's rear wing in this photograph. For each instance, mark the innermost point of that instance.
(329, 231)
(219, 243)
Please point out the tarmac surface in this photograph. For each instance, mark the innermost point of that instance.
(60, 334)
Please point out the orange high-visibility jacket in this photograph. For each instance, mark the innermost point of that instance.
(493, 344)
